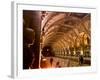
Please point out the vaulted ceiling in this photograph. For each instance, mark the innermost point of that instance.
(61, 29)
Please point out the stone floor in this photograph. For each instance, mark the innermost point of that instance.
(62, 62)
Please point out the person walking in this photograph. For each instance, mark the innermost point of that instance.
(51, 61)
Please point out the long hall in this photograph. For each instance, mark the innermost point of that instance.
(66, 36)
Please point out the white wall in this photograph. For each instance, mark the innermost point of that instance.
(5, 38)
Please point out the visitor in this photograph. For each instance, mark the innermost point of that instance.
(51, 61)
(81, 59)
(58, 65)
